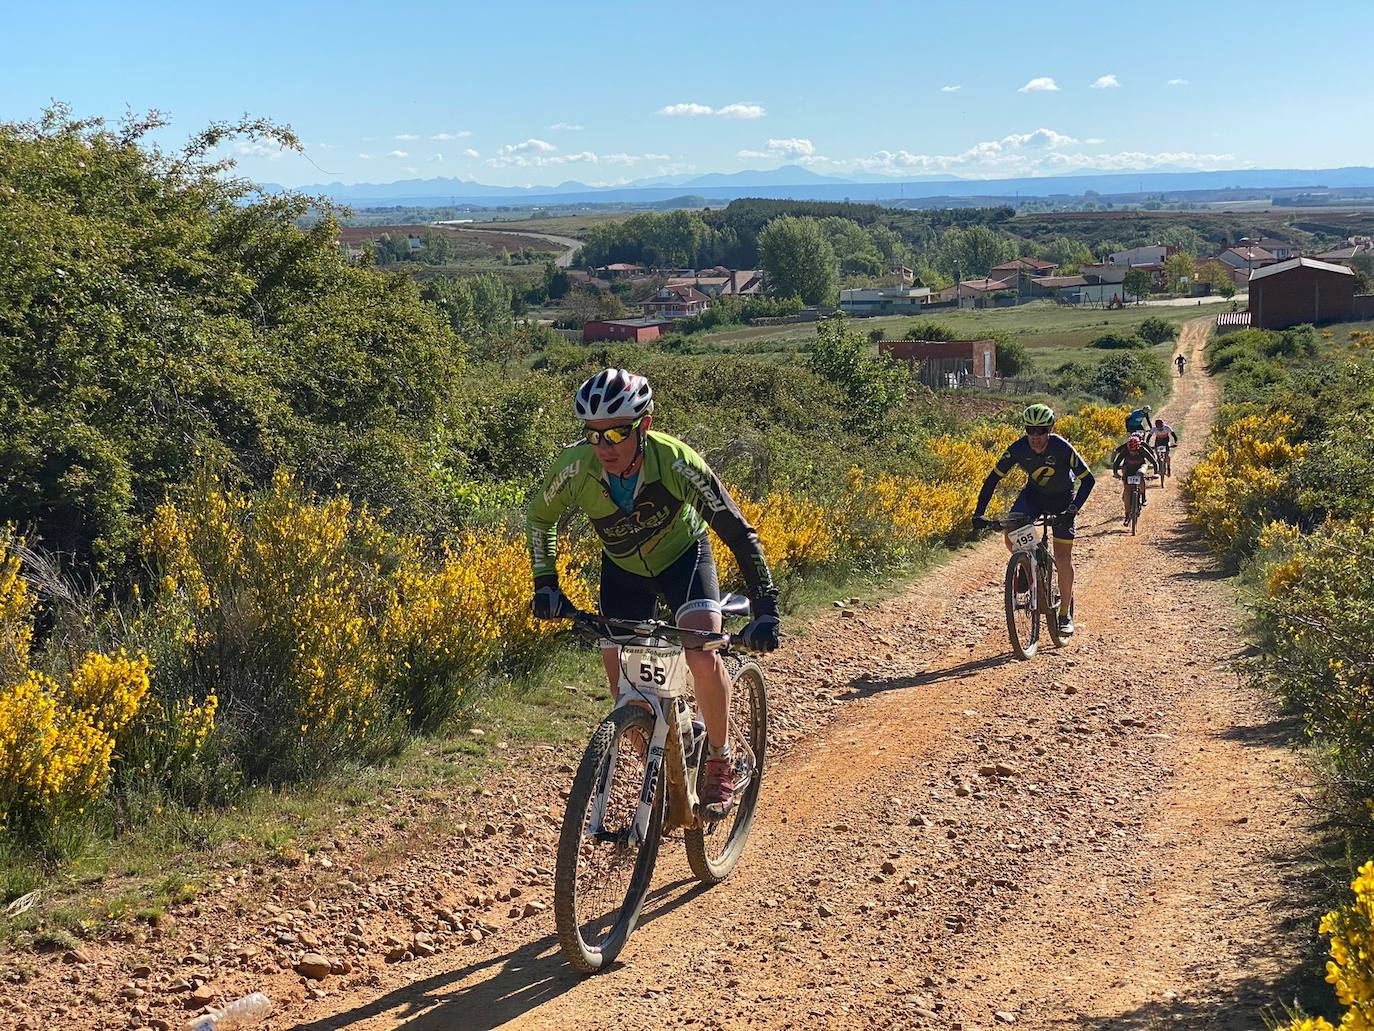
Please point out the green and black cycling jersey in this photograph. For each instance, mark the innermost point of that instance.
(677, 497)
(1055, 472)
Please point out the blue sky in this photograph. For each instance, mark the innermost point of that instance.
(537, 93)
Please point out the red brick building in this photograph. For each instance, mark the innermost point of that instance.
(1301, 290)
(946, 363)
(641, 331)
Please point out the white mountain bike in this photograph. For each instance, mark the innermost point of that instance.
(641, 776)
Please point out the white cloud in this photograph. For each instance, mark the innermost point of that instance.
(738, 110)
(1105, 82)
(690, 110)
(1042, 151)
(436, 158)
(409, 168)
(252, 149)
(656, 157)
(794, 148)
(325, 146)
(365, 157)
(530, 146)
(1177, 82)
(1043, 84)
(565, 127)
(470, 153)
(406, 136)
(534, 153)
(622, 159)
(951, 89)
(1093, 141)
(451, 135)
(397, 154)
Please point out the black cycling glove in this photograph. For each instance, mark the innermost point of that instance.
(551, 603)
(761, 634)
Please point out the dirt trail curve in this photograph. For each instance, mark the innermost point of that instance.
(1137, 865)
(570, 245)
(1131, 872)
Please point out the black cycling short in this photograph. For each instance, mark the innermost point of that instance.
(690, 584)
(1031, 504)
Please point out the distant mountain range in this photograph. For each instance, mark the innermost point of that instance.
(792, 182)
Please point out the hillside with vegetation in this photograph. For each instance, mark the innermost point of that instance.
(262, 503)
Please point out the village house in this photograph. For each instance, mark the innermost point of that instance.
(1248, 257)
(1150, 257)
(676, 302)
(891, 300)
(1010, 270)
(721, 281)
(981, 293)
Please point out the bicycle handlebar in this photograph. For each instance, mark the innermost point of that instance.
(619, 630)
(1009, 523)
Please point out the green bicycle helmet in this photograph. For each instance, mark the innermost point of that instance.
(1038, 415)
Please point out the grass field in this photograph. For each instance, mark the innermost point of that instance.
(559, 225)
(1052, 330)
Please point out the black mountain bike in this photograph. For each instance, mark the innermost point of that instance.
(1032, 583)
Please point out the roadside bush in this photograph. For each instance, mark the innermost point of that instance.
(1155, 330)
(1013, 358)
(1317, 599)
(1350, 970)
(1118, 341)
(1127, 377)
(1241, 483)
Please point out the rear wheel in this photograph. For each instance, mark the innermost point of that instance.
(1023, 617)
(714, 848)
(601, 878)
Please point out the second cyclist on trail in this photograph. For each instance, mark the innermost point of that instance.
(651, 499)
(1058, 483)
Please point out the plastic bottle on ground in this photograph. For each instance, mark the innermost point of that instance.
(240, 1013)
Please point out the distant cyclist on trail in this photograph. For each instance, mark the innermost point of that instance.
(1180, 361)
(1139, 420)
(1128, 460)
(1053, 470)
(650, 499)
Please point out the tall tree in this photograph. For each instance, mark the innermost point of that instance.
(799, 260)
(1179, 271)
(1137, 283)
(972, 252)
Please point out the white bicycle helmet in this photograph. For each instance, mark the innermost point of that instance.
(614, 394)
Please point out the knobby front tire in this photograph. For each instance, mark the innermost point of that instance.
(599, 886)
(1049, 601)
(713, 850)
(1023, 622)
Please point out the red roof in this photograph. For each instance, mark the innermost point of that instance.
(1034, 264)
(682, 293)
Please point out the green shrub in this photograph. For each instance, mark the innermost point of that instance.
(1013, 358)
(1126, 377)
(1118, 341)
(1155, 330)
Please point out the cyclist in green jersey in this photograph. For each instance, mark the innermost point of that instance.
(651, 498)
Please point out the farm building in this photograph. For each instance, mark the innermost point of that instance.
(946, 363)
(640, 331)
(894, 300)
(1301, 290)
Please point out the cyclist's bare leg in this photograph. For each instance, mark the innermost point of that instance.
(1063, 562)
(708, 676)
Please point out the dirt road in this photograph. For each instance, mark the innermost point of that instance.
(1136, 862)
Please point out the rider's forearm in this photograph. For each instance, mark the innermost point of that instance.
(985, 495)
(543, 544)
(1085, 488)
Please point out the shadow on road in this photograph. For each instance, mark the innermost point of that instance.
(862, 687)
(525, 978)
